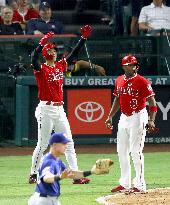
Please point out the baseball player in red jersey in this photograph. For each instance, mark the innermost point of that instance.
(49, 112)
(131, 93)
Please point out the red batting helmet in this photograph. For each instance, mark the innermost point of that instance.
(45, 50)
(129, 60)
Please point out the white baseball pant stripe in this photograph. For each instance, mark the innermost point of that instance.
(51, 117)
(35, 199)
(130, 141)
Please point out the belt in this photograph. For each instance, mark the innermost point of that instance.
(43, 195)
(54, 103)
(130, 114)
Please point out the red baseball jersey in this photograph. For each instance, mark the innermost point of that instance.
(19, 18)
(50, 81)
(132, 93)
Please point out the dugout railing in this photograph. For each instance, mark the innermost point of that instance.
(153, 52)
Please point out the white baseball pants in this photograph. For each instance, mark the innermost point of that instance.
(35, 199)
(51, 117)
(130, 141)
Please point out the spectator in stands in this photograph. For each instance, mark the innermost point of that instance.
(13, 5)
(154, 17)
(114, 10)
(136, 8)
(2, 3)
(7, 27)
(24, 12)
(45, 23)
(52, 3)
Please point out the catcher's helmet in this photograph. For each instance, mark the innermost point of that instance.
(45, 50)
(129, 60)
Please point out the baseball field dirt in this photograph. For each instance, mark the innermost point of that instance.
(157, 196)
(83, 149)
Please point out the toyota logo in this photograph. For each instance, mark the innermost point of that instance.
(89, 111)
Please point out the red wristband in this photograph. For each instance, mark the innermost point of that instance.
(153, 109)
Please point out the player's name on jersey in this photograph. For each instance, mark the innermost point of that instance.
(109, 81)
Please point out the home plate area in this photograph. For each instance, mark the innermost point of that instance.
(151, 197)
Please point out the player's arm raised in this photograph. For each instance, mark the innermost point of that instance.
(35, 58)
(85, 33)
(36, 53)
(113, 111)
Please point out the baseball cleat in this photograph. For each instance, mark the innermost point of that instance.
(81, 181)
(134, 190)
(118, 189)
(32, 178)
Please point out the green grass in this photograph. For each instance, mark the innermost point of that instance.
(14, 171)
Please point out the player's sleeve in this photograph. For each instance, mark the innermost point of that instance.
(147, 88)
(63, 166)
(48, 168)
(71, 69)
(71, 56)
(35, 58)
(64, 65)
(75, 68)
(115, 92)
(142, 16)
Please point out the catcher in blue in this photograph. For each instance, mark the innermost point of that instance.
(52, 170)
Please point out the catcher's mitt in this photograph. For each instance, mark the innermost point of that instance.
(102, 166)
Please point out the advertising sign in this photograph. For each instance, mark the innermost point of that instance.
(88, 109)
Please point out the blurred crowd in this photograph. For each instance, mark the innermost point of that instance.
(27, 17)
(132, 17)
(125, 17)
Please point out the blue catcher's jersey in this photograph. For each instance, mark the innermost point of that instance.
(54, 166)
